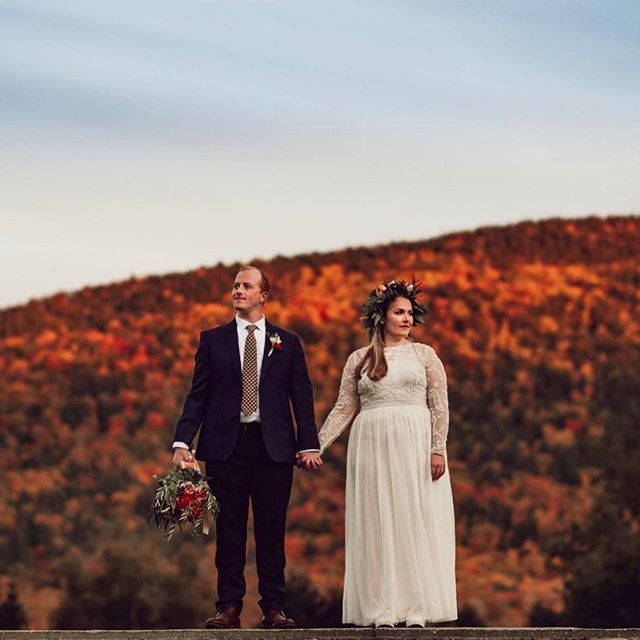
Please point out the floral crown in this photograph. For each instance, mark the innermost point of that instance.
(375, 306)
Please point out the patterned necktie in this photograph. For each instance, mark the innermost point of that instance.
(249, 402)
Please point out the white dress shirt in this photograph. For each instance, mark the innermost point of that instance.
(260, 334)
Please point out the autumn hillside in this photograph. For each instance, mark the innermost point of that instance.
(538, 325)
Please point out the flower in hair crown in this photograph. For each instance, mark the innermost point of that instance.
(375, 306)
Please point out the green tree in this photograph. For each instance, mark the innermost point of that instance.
(126, 587)
(605, 565)
(12, 615)
(309, 608)
(603, 590)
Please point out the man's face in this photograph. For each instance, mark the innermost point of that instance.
(246, 294)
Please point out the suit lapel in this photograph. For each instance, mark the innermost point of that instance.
(266, 359)
(231, 336)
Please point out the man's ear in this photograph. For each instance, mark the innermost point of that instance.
(264, 295)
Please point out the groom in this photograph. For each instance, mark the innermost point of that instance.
(248, 374)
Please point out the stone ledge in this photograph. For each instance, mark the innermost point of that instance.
(437, 633)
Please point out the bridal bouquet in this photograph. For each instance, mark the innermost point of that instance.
(183, 497)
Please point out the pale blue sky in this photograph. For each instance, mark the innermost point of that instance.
(146, 137)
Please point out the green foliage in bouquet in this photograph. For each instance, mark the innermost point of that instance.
(183, 497)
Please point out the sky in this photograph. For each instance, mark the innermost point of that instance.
(145, 137)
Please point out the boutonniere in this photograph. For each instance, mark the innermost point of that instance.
(276, 343)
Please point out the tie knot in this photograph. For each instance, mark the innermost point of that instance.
(251, 328)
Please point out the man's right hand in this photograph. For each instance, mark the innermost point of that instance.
(182, 455)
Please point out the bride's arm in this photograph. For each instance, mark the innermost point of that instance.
(346, 406)
(438, 401)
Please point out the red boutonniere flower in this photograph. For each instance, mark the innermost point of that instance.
(276, 343)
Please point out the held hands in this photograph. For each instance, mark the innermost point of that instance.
(309, 460)
(438, 466)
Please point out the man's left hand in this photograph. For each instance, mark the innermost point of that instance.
(309, 460)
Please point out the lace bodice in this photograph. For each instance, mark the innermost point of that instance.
(415, 376)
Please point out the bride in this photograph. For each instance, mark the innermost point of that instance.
(400, 538)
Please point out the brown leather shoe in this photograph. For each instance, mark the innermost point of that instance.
(227, 618)
(277, 620)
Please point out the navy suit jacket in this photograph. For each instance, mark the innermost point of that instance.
(213, 403)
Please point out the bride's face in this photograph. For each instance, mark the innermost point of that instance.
(399, 319)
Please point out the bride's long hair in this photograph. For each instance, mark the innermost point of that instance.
(374, 361)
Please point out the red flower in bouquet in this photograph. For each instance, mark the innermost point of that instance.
(188, 488)
(183, 501)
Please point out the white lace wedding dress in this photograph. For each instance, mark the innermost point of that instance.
(400, 537)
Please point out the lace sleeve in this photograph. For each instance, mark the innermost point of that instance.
(438, 402)
(346, 406)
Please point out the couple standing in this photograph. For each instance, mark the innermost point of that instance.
(400, 546)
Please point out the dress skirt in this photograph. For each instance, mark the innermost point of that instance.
(399, 524)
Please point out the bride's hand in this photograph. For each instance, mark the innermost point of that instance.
(438, 466)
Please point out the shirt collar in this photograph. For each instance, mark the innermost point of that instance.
(242, 324)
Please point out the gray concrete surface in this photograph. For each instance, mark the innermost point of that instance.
(435, 633)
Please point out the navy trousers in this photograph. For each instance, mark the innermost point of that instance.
(250, 475)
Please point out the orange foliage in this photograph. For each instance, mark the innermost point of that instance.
(531, 322)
